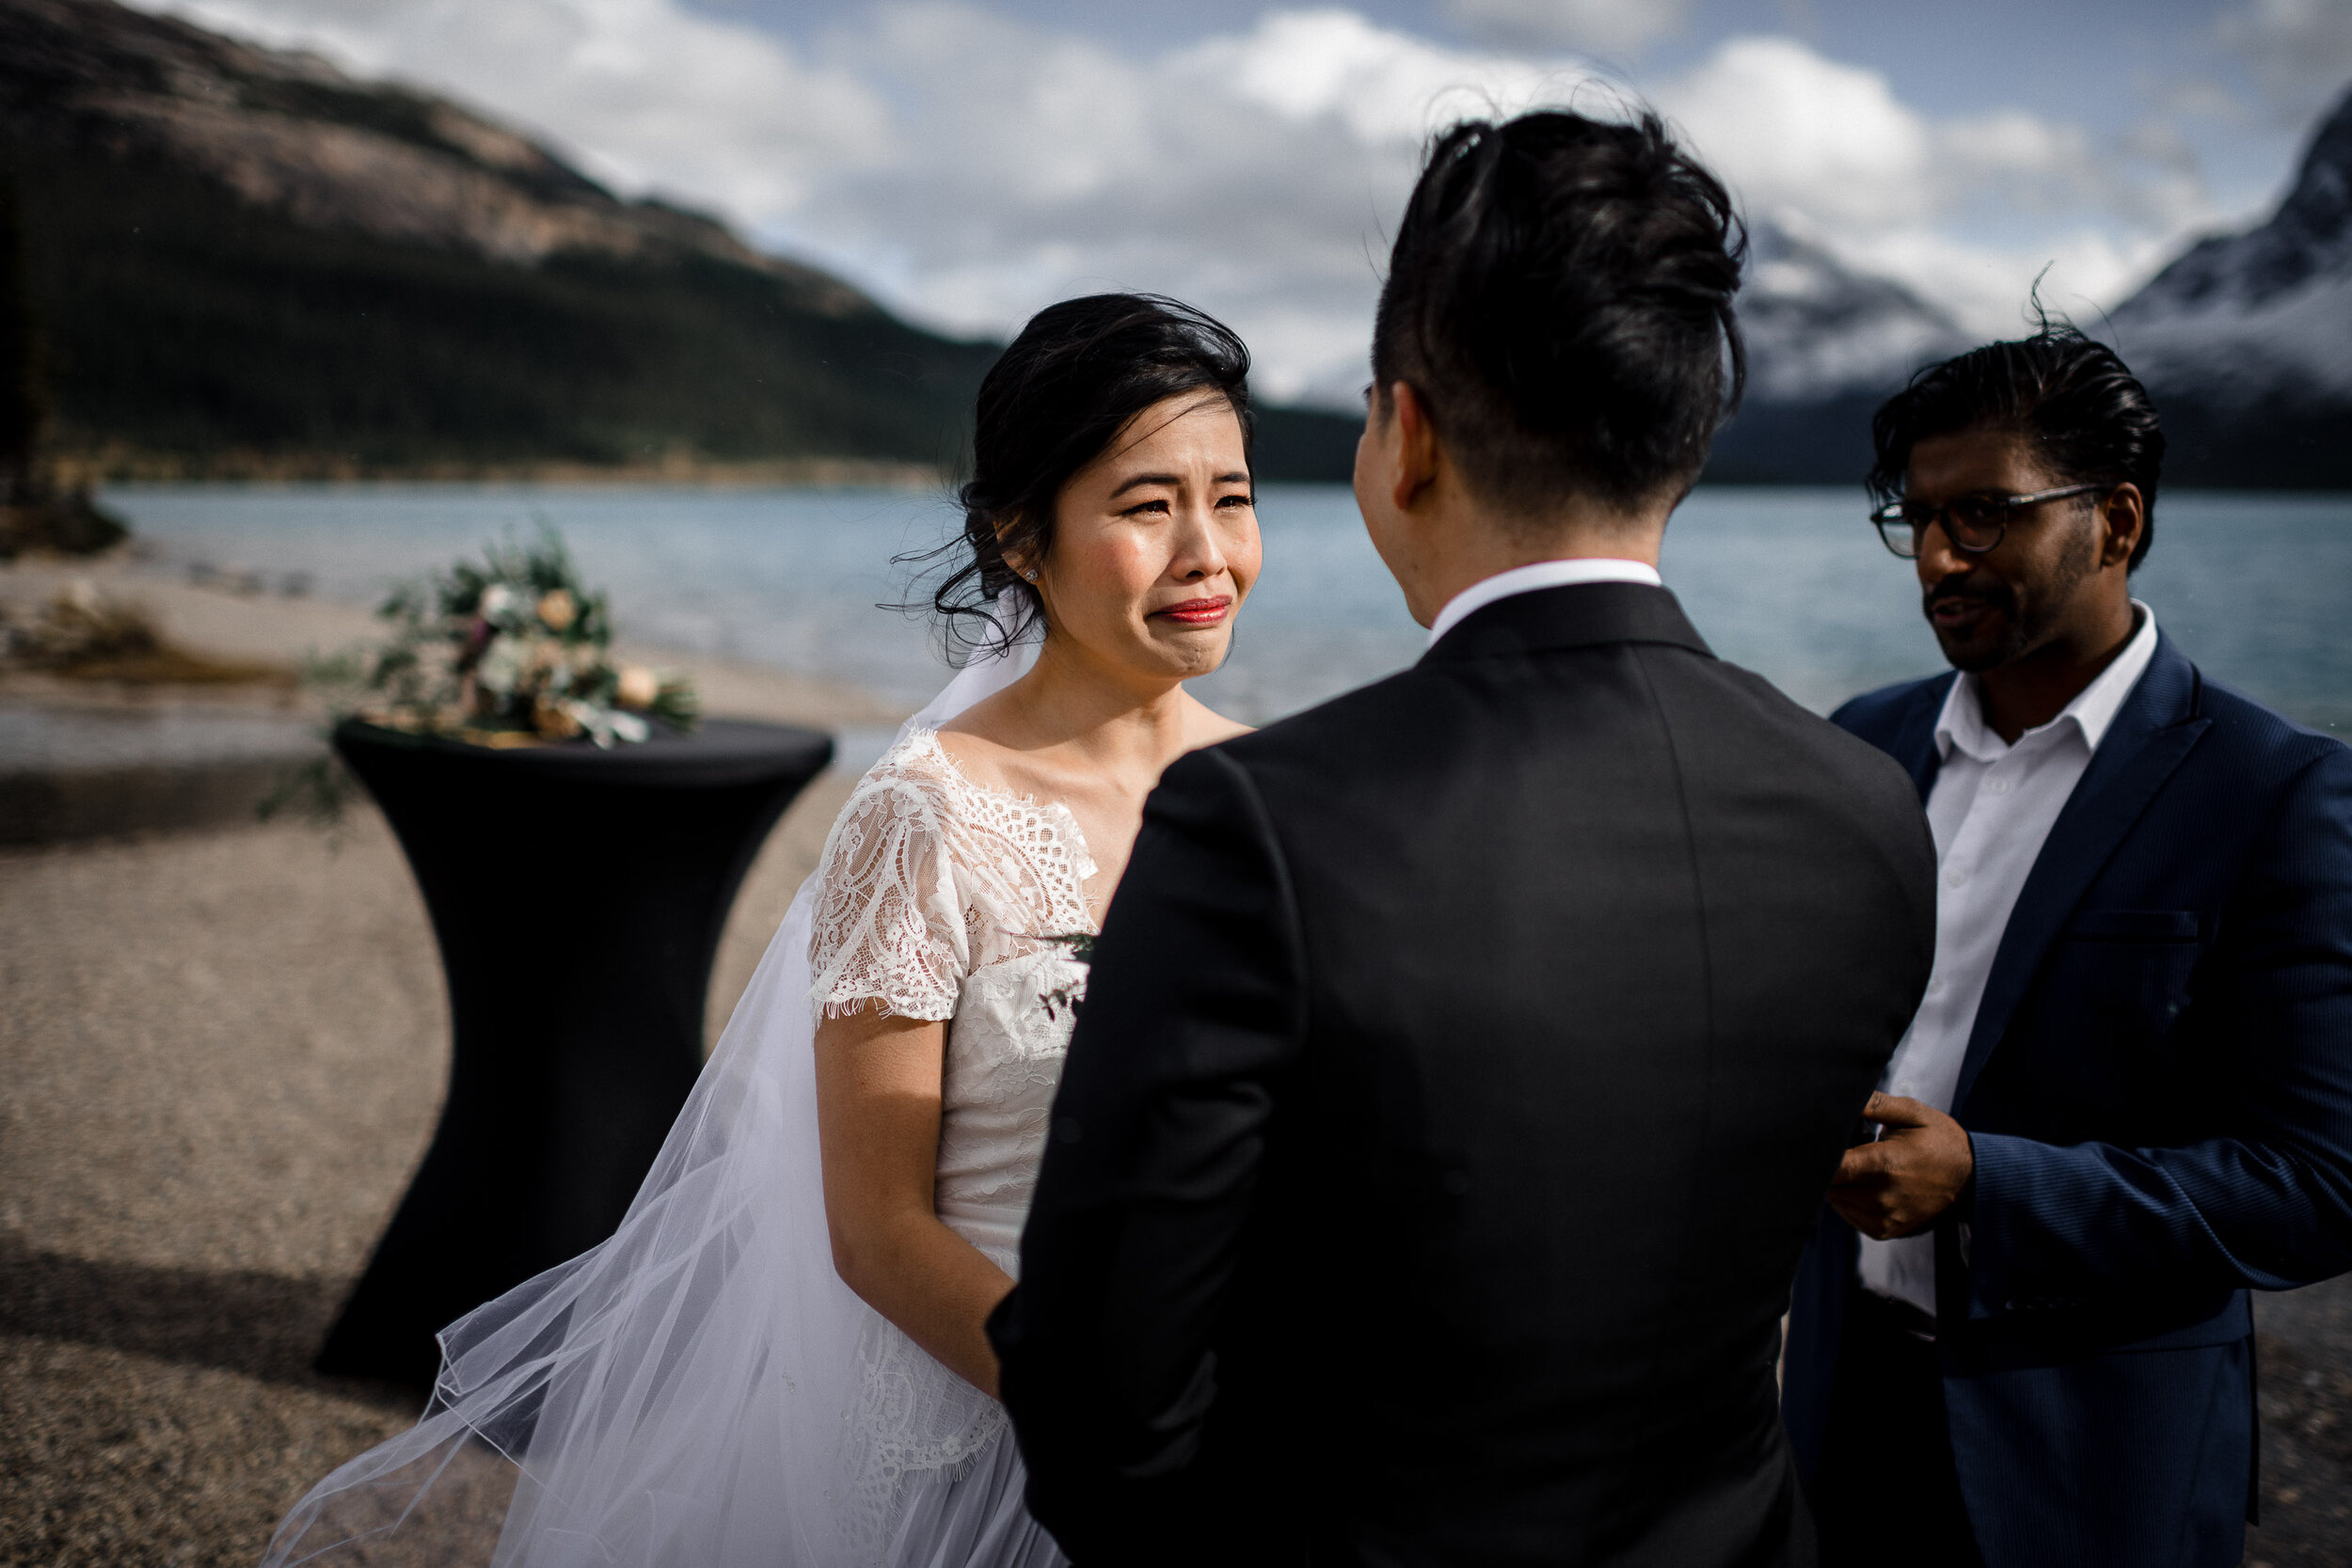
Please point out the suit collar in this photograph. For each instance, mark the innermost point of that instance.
(1582, 615)
(1961, 725)
(2157, 727)
(1535, 574)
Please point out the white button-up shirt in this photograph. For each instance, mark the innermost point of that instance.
(1541, 573)
(1992, 808)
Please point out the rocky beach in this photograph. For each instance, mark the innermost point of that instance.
(226, 1049)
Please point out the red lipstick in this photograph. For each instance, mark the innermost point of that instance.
(1197, 613)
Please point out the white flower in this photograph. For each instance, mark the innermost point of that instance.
(504, 667)
(603, 725)
(638, 687)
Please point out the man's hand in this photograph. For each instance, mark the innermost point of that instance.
(1898, 1185)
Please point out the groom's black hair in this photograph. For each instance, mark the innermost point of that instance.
(1559, 296)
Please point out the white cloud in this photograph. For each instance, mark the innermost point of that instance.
(1256, 173)
(970, 167)
(1832, 153)
(1794, 130)
(1383, 86)
(1037, 166)
(1605, 26)
(1986, 288)
(647, 94)
(2299, 51)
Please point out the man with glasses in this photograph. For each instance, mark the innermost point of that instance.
(2022, 1336)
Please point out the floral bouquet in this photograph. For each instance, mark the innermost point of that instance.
(513, 651)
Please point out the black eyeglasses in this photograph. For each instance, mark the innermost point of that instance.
(1974, 524)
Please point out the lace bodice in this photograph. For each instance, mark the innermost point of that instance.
(939, 898)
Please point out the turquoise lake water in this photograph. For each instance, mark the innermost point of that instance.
(1790, 582)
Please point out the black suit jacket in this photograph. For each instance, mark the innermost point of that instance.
(1462, 1065)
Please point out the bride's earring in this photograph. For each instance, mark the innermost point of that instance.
(1031, 575)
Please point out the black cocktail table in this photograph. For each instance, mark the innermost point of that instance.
(578, 895)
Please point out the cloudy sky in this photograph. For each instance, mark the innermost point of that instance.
(970, 160)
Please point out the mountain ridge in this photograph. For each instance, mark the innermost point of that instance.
(2306, 240)
(1826, 344)
(2245, 340)
(289, 129)
(241, 262)
(249, 264)
(244, 262)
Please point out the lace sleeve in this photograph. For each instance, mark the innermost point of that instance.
(888, 924)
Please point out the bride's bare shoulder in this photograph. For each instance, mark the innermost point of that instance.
(974, 743)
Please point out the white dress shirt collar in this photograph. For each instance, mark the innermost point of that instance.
(1541, 573)
(1961, 726)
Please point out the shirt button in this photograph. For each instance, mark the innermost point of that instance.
(1955, 878)
(1997, 787)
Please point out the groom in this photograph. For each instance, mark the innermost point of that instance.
(1464, 1060)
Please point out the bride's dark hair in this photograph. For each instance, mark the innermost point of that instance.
(1053, 402)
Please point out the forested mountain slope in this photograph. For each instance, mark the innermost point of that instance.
(239, 261)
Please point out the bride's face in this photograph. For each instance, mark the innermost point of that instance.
(1156, 543)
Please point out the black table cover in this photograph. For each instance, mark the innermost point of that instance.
(578, 895)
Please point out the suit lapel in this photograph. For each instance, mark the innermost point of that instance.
(1914, 746)
(2155, 731)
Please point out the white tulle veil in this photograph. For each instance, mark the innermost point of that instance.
(688, 1392)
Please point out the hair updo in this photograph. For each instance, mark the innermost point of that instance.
(1560, 295)
(1052, 404)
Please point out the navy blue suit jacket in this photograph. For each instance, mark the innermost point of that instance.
(2158, 1089)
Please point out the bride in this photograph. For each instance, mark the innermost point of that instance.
(779, 1358)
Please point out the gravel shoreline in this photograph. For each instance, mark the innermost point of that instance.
(226, 1054)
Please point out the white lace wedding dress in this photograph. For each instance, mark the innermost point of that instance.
(701, 1390)
(942, 899)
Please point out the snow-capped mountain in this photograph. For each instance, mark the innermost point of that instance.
(1816, 329)
(1825, 344)
(2246, 341)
